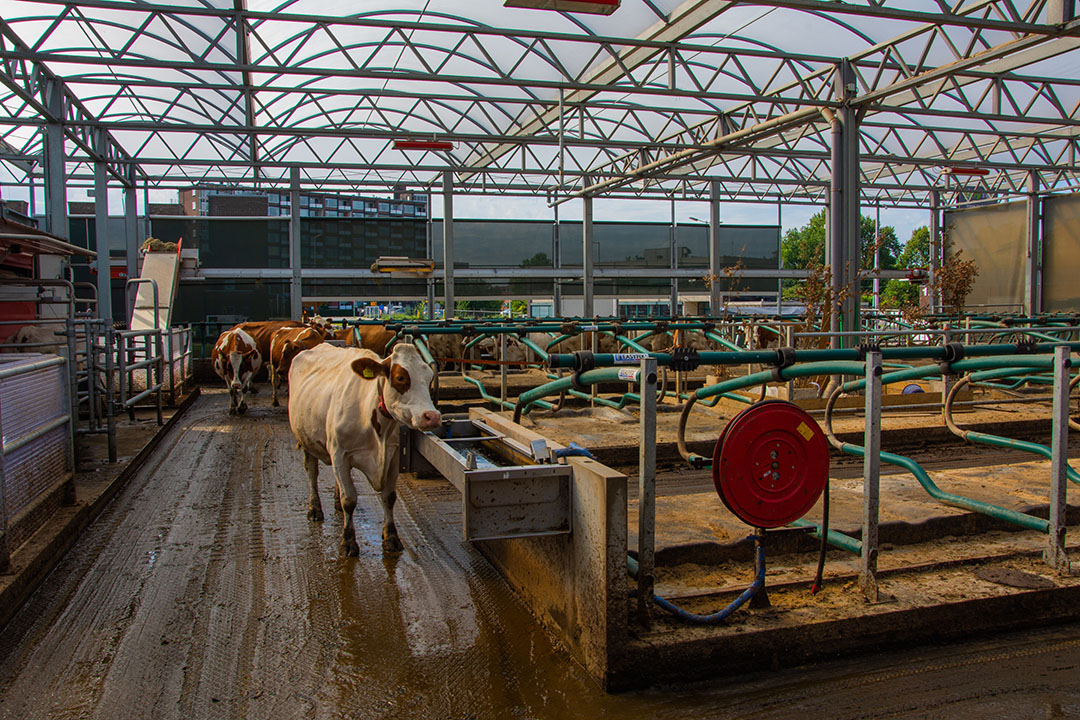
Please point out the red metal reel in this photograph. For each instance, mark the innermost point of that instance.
(771, 464)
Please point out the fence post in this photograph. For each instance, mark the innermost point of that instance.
(1056, 555)
(871, 477)
(647, 491)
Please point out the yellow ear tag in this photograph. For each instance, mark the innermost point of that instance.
(368, 373)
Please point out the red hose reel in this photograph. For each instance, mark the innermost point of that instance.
(771, 464)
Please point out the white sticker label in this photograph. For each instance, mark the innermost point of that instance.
(628, 374)
(589, 328)
(629, 358)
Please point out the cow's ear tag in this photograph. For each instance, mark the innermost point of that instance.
(368, 373)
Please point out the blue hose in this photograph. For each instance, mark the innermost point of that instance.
(720, 615)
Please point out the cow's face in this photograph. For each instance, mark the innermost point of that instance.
(406, 379)
(239, 370)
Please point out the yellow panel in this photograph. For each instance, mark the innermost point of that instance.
(995, 238)
(1061, 253)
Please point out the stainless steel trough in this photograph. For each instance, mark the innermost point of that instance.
(508, 489)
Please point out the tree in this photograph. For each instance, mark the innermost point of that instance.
(884, 238)
(805, 246)
(917, 250)
(540, 259)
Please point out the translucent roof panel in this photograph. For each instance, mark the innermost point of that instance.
(655, 99)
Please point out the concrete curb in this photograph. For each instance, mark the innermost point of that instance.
(37, 557)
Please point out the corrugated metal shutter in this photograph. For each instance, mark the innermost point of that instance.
(27, 403)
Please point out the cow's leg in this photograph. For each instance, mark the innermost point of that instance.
(314, 507)
(386, 485)
(233, 403)
(274, 379)
(242, 407)
(343, 475)
(337, 499)
(390, 540)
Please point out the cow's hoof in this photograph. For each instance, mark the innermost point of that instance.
(232, 411)
(315, 514)
(242, 409)
(349, 548)
(276, 403)
(392, 544)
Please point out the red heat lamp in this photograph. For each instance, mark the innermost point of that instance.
(594, 7)
(423, 145)
(979, 172)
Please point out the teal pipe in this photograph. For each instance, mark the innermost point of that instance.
(505, 404)
(590, 377)
(836, 539)
(994, 511)
(998, 440)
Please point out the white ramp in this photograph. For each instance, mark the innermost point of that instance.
(164, 269)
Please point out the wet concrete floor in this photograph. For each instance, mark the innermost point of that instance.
(204, 592)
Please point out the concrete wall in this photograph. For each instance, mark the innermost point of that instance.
(575, 584)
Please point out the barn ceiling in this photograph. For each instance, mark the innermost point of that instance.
(655, 100)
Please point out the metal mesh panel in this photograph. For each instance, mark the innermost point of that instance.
(27, 402)
(1061, 253)
(996, 239)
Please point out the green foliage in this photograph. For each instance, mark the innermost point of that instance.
(803, 247)
(899, 295)
(540, 259)
(917, 250)
(519, 307)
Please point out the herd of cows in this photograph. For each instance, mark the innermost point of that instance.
(346, 404)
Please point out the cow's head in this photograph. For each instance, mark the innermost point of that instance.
(238, 357)
(404, 378)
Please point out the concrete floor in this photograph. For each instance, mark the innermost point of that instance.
(202, 591)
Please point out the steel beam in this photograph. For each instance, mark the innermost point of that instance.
(714, 248)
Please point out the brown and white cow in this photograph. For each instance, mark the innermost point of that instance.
(285, 345)
(262, 332)
(345, 409)
(236, 359)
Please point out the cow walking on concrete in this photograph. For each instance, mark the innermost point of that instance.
(345, 409)
(236, 359)
(285, 345)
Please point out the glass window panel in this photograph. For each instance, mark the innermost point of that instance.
(358, 242)
(247, 243)
(1061, 248)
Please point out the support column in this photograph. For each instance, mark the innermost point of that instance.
(714, 248)
(1056, 554)
(101, 235)
(673, 249)
(871, 477)
(448, 244)
(131, 225)
(296, 287)
(587, 255)
(56, 220)
(430, 253)
(1033, 263)
(844, 237)
(936, 250)
(556, 262)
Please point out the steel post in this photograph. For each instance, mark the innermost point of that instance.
(101, 234)
(1056, 555)
(502, 367)
(448, 245)
(871, 477)
(296, 287)
(110, 397)
(714, 248)
(587, 254)
(647, 491)
(1033, 264)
